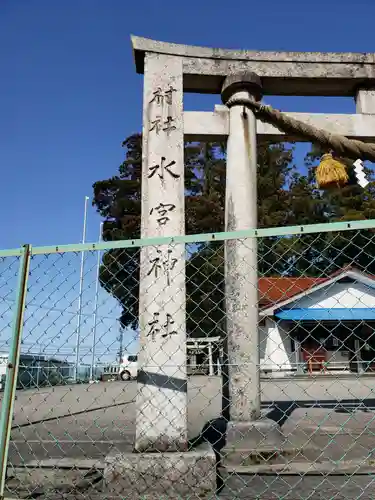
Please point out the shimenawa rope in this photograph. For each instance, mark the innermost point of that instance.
(341, 145)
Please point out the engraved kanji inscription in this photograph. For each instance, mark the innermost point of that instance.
(158, 96)
(162, 168)
(162, 263)
(168, 95)
(161, 96)
(156, 124)
(167, 126)
(155, 327)
(168, 327)
(162, 210)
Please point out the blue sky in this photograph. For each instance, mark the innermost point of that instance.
(69, 93)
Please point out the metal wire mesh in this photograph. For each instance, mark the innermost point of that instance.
(8, 285)
(78, 407)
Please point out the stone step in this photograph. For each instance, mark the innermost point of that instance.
(356, 467)
(264, 454)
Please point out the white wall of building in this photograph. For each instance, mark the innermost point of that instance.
(338, 295)
(275, 347)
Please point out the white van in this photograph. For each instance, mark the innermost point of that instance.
(129, 368)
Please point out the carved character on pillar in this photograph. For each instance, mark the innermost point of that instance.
(162, 210)
(168, 327)
(161, 168)
(162, 263)
(156, 124)
(167, 126)
(158, 96)
(165, 96)
(154, 327)
(168, 94)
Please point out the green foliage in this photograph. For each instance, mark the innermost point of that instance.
(324, 254)
(205, 291)
(285, 197)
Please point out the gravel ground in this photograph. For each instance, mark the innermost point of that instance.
(258, 487)
(304, 488)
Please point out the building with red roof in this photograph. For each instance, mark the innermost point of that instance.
(324, 324)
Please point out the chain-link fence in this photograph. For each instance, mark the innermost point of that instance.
(75, 419)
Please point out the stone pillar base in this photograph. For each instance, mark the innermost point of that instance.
(251, 442)
(150, 476)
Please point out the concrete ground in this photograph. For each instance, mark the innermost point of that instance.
(88, 421)
(299, 488)
(204, 393)
(271, 487)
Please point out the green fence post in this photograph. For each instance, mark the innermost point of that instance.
(13, 364)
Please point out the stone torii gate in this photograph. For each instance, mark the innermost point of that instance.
(169, 70)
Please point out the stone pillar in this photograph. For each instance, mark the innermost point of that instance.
(161, 419)
(220, 361)
(241, 274)
(365, 101)
(245, 430)
(162, 466)
(210, 360)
